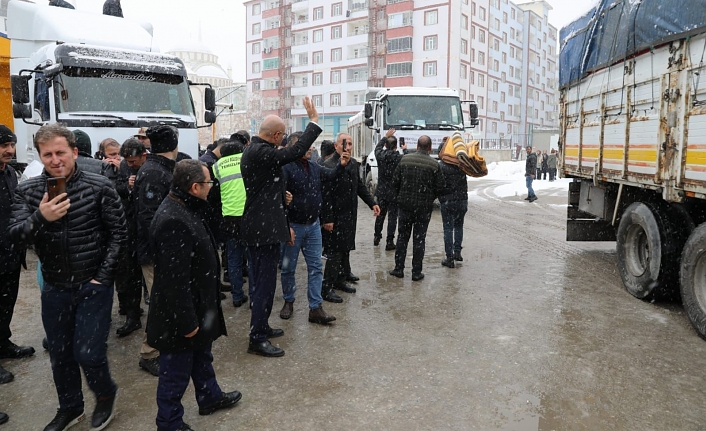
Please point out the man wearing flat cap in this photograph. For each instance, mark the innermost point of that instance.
(11, 256)
(152, 185)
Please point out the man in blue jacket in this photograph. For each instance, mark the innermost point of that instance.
(303, 181)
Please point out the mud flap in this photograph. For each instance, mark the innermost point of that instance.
(581, 226)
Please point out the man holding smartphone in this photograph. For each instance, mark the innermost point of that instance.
(78, 236)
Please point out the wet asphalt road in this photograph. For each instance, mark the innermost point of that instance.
(529, 333)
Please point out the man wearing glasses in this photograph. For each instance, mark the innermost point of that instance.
(264, 224)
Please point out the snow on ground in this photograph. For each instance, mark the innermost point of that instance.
(513, 175)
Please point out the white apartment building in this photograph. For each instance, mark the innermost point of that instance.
(501, 54)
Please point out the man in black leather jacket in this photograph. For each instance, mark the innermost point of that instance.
(388, 158)
(78, 236)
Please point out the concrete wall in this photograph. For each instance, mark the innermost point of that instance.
(496, 155)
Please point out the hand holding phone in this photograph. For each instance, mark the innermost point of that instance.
(56, 186)
(55, 204)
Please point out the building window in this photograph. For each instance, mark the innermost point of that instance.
(318, 57)
(481, 80)
(481, 13)
(336, 99)
(464, 46)
(399, 44)
(256, 67)
(318, 13)
(337, 9)
(335, 77)
(256, 28)
(336, 32)
(270, 63)
(399, 69)
(318, 35)
(336, 54)
(256, 85)
(431, 17)
(317, 101)
(399, 20)
(256, 9)
(430, 68)
(430, 43)
(318, 78)
(256, 48)
(481, 36)
(464, 71)
(481, 58)
(464, 22)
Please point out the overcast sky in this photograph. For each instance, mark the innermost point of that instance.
(223, 22)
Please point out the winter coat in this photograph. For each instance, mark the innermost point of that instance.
(113, 8)
(455, 183)
(86, 243)
(551, 161)
(11, 256)
(387, 163)
(340, 205)
(61, 3)
(124, 174)
(544, 162)
(154, 179)
(186, 290)
(531, 165)
(264, 221)
(214, 214)
(305, 187)
(417, 181)
(95, 166)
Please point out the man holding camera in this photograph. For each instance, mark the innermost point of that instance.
(78, 235)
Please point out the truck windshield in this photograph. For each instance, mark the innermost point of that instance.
(99, 90)
(423, 112)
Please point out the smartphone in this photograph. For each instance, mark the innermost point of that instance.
(401, 141)
(56, 186)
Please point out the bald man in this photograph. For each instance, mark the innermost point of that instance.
(264, 224)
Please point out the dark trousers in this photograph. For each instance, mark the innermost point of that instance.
(544, 173)
(552, 174)
(263, 281)
(387, 208)
(409, 222)
(539, 174)
(175, 370)
(452, 216)
(338, 266)
(77, 322)
(9, 286)
(128, 284)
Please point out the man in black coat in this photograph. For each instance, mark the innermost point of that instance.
(12, 258)
(417, 181)
(185, 314)
(113, 8)
(339, 215)
(454, 205)
(78, 236)
(264, 224)
(61, 3)
(152, 185)
(530, 169)
(388, 158)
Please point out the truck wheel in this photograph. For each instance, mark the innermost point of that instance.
(369, 183)
(648, 249)
(693, 279)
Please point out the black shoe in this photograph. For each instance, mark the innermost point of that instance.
(4, 418)
(527, 198)
(449, 263)
(390, 246)
(399, 273)
(228, 399)
(225, 287)
(104, 412)
(150, 365)
(376, 241)
(532, 199)
(352, 278)
(65, 419)
(131, 325)
(274, 333)
(45, 343)
(13, 351)
(240, 302)
(418, 276)
(344, 287)
(331, 296)
(5, 376)
(265, 348)
(458, 257)
(318, 315)
(185, 427)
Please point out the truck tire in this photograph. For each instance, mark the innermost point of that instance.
(693, 279)
(369, 183)
(649, 246)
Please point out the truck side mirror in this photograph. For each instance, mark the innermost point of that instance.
(21, 110)
(474, 114)
(368, 110)
(369, 122)
(210, 99)
(20, 88)
(210, 117)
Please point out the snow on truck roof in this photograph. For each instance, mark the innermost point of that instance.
(417, 91)
(31, 22)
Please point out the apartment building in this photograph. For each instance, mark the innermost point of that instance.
(501, 54)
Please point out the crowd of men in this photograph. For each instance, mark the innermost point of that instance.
(142, 216)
